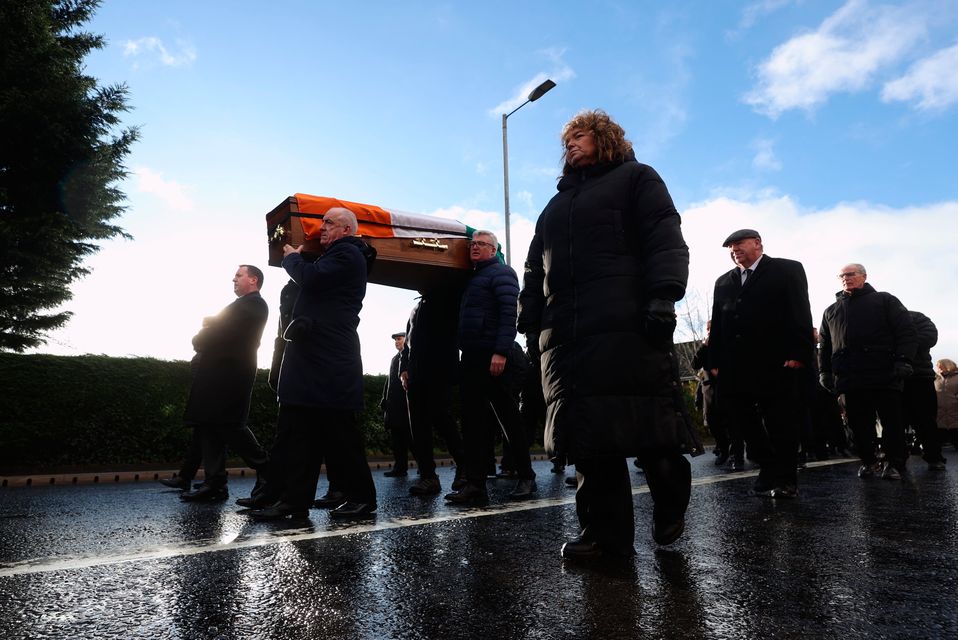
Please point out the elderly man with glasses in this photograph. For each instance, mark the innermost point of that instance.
(868, 342)
(487, 331)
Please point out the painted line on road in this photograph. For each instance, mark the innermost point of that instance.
(46, 565)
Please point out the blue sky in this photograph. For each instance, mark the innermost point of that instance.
(828, 126)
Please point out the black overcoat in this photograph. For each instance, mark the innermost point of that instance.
(756, 328)
(224, 366)
(604, 246)
(322, 366)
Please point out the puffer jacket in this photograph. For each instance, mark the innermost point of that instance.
(927, 334)
(606, 245)
(862, 335)
(487, 315)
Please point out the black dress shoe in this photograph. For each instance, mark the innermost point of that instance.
(665, 533)
(469, 494)
(280, 511)
(738, 464)
(580, 549)
(524, 489)
(330, 500)
(787, 492)
(507, 474)
(353, 510)
(255, 503)
(396, 473)
(182, 484)
(721, 458)
(572, 482)
(425, 487)
(205, 493)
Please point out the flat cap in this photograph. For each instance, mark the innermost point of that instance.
(741, 234)
(401, 334)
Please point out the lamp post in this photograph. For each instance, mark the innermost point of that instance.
(537, 93)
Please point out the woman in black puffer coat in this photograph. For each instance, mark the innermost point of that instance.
(604, 269)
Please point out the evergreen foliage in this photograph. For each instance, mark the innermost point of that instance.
(61, 157)
(98, 412)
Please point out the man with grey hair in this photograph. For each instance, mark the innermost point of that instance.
(487, 331)
(321, 379)
(867, 342)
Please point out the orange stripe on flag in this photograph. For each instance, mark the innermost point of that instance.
(374, 222)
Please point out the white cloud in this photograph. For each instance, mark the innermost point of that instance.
(560, 72)
(932, 82)
(173, 194)
(151, 46)
(765, 159)
(886, 240)
(757, 10)
(843, 55)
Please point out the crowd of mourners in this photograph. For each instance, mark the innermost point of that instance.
(599, 375)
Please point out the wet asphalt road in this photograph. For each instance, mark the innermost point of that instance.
(850, 558)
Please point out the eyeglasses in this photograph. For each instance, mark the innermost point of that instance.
(480, 243)
(847, 274)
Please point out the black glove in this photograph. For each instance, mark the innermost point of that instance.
(660, 321)
(532, 346)
(902, 370)
(827, 380)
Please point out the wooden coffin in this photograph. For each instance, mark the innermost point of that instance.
(418, 262)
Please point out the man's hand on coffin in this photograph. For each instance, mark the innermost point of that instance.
(288, 249)
(404, 378)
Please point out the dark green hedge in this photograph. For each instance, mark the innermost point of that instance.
(60, 413)
(89, 412)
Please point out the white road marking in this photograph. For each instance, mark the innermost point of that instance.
(46, 565)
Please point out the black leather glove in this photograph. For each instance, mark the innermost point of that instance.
(902, 370)
(660, 321)
(827, 380)
(532, 346)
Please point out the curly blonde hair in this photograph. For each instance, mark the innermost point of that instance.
(946, 365)
(610, 141)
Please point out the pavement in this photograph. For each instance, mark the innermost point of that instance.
(850, 558)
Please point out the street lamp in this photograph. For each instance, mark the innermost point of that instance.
(537, 93)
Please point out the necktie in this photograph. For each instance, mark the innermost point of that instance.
(748, 273)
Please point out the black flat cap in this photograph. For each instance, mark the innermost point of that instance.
(741, 234)
(401, 334)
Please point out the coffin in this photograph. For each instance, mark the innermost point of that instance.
(413, 251)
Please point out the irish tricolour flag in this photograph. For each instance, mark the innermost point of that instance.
(378, 222)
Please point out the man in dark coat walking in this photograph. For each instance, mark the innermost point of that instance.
(487, 331)
(760, 342)
(224, 369)
(428, 370)
(919, 400)
(868, 341)
(604, 269)
(396, 412)
(321, 378)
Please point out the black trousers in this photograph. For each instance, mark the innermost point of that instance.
(429, 412)
(305, 437)
(771, 424)
(604, 502)
(193, 457)
(861, 407)
(215, 438)
(397, 423)
(480, 390)
(920, 405)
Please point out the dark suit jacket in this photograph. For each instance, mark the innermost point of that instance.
(756, 328)
(224, 366)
